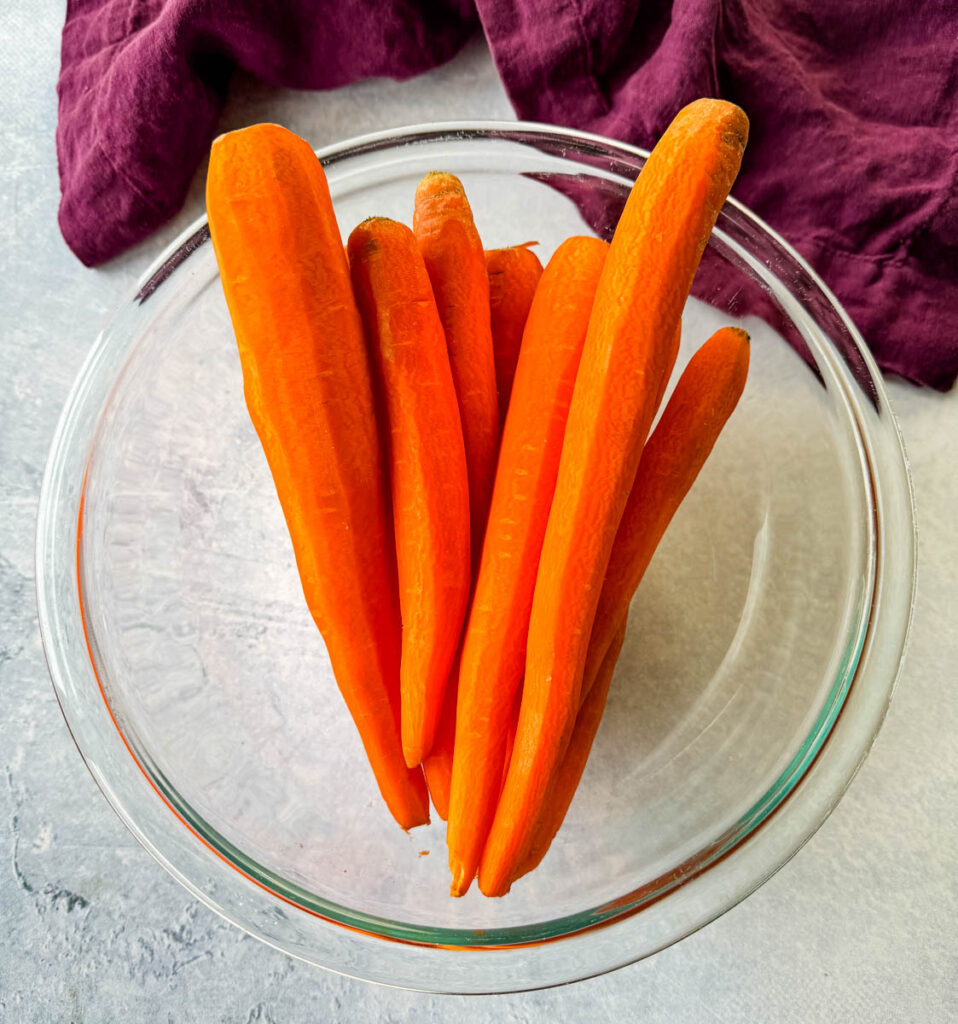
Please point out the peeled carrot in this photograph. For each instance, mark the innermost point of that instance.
(669, 367)
(308, 388)
(513, 276)
(437, 765)
(653, 257)
(567, 778)
(494, 646)
(430, 488)
(455, 260)
(703, 400)
(511, 736)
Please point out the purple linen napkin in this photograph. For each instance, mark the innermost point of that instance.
(142, 83)
(854, 144)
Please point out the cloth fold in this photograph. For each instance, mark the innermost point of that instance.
(853, 155)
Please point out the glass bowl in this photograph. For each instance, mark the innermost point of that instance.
(762, 650)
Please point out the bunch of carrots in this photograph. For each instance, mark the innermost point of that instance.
(460, 441)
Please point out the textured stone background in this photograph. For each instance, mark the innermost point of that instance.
(860, 926)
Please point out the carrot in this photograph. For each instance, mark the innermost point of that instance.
(494, 646)
(308, 389)
(511, 736)
(513, 276)
(437, 765)
(570, 770)
(454, 257)
(430, 488)
(703, 400)
(653, 257)
(673, 352)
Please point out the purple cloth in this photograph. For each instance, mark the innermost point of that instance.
(853, 105)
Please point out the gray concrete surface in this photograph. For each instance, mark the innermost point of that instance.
(860, 926)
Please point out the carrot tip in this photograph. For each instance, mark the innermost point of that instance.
(494, 891)
(443, 175)
(413, 756)
(436, 183)
(460, 883)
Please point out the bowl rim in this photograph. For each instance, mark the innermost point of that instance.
(161, 268)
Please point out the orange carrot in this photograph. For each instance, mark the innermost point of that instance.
(437, 765)
(511, 736)
(566, 780)
(494, 645)
(307, 382)
(654, 254)
(430, 488)
(669, 367)
(703, 400)
(454, 257)
(513, 276)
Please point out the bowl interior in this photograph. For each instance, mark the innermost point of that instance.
(743, 637)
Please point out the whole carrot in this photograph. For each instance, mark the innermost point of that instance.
(703, 400)
(652, 260)
(455, 260)
(493, 653)
(430, 488)
(307, 382)
(513, 276)
(567, 777)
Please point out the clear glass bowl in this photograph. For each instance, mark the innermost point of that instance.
(762, 649)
